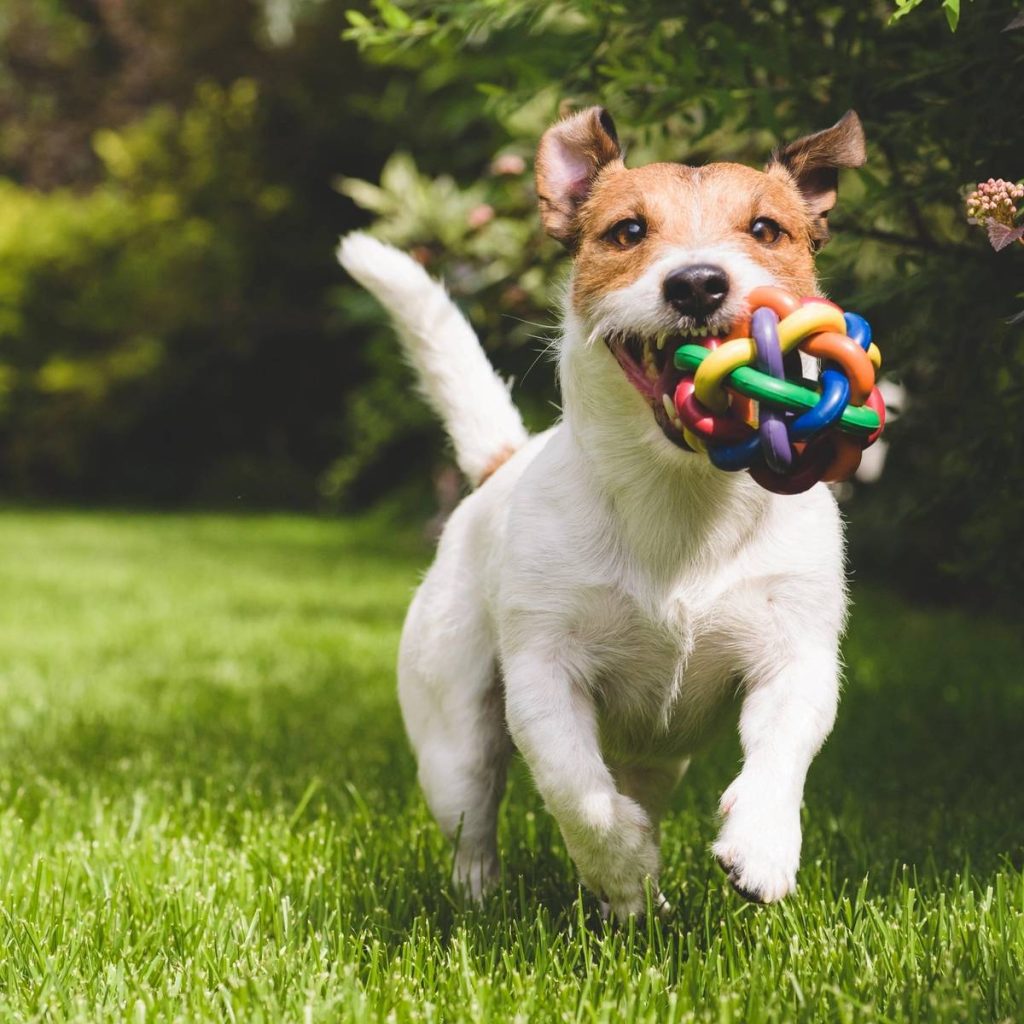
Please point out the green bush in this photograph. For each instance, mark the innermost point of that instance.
(167, 331)
(173, 325)
(106, 297)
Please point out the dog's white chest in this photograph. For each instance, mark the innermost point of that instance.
(659, 674)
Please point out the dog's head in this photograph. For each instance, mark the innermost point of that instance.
(667, 253)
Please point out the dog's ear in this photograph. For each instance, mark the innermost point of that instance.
(570, 156)
(814, 163)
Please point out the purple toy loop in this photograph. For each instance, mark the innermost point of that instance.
(778, 453)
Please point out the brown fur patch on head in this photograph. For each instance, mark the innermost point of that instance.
(690, 208)
(584, 190)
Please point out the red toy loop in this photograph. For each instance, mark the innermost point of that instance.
(810, 467)
(702, 421)
(876, 402)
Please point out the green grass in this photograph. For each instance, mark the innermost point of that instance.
(208, 811)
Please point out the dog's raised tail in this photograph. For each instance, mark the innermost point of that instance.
(454, 374)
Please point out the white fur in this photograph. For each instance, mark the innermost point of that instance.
(457, 380)
(598, 603)
(640, 306)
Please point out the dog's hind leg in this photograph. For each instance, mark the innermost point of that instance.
(453, 710)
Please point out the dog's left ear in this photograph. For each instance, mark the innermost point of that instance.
(814, 163)
(570, 156)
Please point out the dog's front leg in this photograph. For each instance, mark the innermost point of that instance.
(609, 836)
(784, 720)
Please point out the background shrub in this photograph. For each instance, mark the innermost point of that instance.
(174, 177)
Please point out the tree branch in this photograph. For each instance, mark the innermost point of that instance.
(928, 244)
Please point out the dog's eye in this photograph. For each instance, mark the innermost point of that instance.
(627, 233)
(766, 230)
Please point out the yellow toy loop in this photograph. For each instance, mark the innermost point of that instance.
(709, 380)
(809, 319)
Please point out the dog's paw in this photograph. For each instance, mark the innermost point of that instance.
(660, 908)
(613, 845)
(759, 844)
(475, 873)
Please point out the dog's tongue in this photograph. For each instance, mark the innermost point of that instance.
(635, 373)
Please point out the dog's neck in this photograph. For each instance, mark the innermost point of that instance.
(673, 512)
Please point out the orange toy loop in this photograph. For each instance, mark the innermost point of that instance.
(780, 302)
(850, 356)
(845, 461)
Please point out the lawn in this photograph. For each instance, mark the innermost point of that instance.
(208, 810)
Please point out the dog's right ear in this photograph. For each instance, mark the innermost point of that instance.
(814, 162)
(569, 158)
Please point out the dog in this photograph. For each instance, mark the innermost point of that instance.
(604, 595)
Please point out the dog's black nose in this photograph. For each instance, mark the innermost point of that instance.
(697, 290)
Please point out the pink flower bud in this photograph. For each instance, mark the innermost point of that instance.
(480, 215)
(508, 163)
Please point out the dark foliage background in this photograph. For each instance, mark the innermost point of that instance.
(174, 175)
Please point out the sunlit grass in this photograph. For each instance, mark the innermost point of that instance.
(208, 810)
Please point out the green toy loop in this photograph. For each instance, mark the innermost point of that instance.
(781, 394)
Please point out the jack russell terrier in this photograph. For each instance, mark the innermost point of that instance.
(603, 594)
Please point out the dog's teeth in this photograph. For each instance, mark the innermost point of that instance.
(661, 340)
(670, 409)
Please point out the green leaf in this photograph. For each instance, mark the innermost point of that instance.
(364, 195)
(393, 16)
(903, 8)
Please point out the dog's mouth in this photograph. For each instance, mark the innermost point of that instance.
(647, 362)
